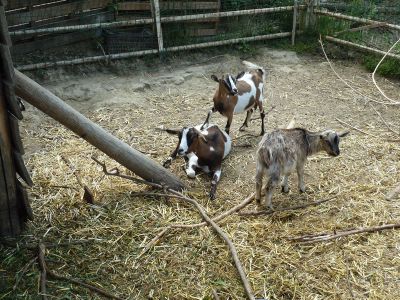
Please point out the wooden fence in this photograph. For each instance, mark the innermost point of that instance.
(14, 204)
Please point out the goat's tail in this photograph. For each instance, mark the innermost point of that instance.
(252, 66)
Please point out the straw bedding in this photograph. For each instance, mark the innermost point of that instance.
(188, 264)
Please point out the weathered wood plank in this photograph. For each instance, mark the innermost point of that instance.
(7, 90)
(24, 207)
(54, 11)
(171, 5)
(52, 41)
(6, 62)
(15, 134)
(15, 4)
(5, 225)
(21, 168)
(4, 36)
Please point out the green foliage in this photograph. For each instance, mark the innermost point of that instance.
(389, 67)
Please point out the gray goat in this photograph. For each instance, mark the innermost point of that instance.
(284, 150)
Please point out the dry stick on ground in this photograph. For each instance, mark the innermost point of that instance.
(269, 212)
(383, 120)
(376, 68)
(202, 212)
(355, 128)
(88, 195)
(215, 295)
(348, 85)
(322, 237)
(45, 271)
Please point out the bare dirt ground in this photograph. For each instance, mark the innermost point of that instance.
(131, 99)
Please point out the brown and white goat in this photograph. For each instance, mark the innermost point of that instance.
(243, 93)
(203, 149)
(284, 150)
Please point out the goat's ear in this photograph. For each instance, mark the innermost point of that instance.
(343, 134)
(173, 131)
(215, 78)
(239, 75)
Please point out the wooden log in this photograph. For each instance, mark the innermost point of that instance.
(295, 10)
(388, 9)
(354, 19)
(146, 52)
(168, 5)
(170, 19)
(360, 47)
(156, 6)
(132, 159)
(14, 4)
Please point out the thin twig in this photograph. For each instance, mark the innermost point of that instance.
(323, 237)
(383, 120)
(345, 82)
(270, 212)
(215, 295)
(355, 128)
(43, 270)
(154, 241)
(376, 68)
(204, 215)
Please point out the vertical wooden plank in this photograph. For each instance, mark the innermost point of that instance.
(295, 10)
(15, 133)
(5, 226)
(24, 206)
(158, 25)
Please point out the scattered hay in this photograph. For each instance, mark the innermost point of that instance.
(191, 264)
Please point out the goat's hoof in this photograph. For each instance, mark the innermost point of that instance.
(302, 190)
(262, 133)
(285, 189)
(167, 164)
(242, 128)
(212, 196)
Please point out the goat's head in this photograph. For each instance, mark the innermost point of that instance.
(227, 84)
(330, 141)
(189, 137)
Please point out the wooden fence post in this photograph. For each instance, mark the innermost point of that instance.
(14, 205)
(295, 11)
(310, 17)
(157, 16)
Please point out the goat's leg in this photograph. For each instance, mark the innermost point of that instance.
(214, 182)
(269, 189)
(169, 160)
(246, 121)
(212, 110)
(300, 175)
(262, 115)
(259, 177)
(191, 166)
(228, 123)
(284, 184)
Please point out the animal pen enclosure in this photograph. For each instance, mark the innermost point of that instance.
(135, 245)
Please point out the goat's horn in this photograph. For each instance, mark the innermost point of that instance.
(201, 134)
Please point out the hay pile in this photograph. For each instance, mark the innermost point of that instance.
(188, 264)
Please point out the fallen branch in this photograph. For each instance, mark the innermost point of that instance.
(345, 82)
(393, 193)
(208, 220)
(355, 128)
(45, 271)
(376, 68)
(154, 241)
(87, 195)
(323, 237)
(270, 212)
(384, 121)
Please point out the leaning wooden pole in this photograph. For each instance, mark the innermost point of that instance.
(138, 163)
